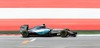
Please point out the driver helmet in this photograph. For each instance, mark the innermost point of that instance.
(43, 24)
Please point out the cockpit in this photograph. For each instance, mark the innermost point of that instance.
(38, 27)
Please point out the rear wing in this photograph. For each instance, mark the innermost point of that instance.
(24, 28)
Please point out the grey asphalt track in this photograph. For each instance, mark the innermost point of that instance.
(50, 42)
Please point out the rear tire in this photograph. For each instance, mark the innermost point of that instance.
(24, 30)
(25, 34)
(64, 34)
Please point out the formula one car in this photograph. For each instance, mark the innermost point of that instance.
(41, 31)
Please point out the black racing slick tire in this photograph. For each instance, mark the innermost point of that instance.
(63, 33)
(25, 34)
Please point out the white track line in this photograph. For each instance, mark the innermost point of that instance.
(32, 40)
(27, 41)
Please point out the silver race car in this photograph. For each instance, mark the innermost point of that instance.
(43, 31)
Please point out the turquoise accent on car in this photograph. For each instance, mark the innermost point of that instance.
(39, 30)
(43, 31)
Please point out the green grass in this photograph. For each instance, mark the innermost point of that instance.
(9, 32)
(79, 32)
(88, 31)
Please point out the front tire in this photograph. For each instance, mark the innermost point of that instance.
(64, 34)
